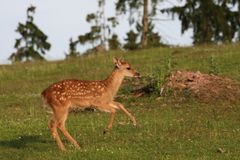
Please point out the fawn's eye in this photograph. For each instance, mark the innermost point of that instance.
(128, 68)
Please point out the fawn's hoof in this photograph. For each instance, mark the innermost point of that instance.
(105, 131)
(63, 149)
(77, 146)
(134, 122)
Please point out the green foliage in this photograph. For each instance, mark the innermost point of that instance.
(153, 37)
(238, 35)
(122, 6)
(100, 30)
(114, 43)
(213, 66)
(92, 37)
(154, 82)
(156, 79)
(96, 35)
(113, 21)
(33, 42)
(91, 17)
(212, 21)
(73, 53)
(131, 41)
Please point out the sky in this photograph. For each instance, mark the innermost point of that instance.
(61, 20)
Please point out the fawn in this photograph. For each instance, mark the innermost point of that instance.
(61, 95)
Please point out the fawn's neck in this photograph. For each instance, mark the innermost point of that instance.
(114, 81)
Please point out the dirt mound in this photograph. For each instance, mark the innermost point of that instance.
(205, 87)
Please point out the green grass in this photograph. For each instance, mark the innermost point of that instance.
(166, 129)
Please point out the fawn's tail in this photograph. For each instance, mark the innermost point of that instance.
(44, 101)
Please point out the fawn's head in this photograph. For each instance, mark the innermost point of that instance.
(125, 68)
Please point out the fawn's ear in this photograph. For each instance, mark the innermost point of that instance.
(117, 62)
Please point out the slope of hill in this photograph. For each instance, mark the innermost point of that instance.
(166, 129)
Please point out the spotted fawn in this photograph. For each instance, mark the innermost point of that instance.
(65, 94)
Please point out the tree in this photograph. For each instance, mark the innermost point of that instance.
(211, 20)
(32, 44)
(101, 28)
(153, 38)
(123, 5)
(131, 41)
(238, 35)
(114, 43)
(72, 49)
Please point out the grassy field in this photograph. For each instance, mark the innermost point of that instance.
(166, 129)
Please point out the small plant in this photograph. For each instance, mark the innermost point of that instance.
(169, 64)
(158, 79)
(213, 66)
(152, 83)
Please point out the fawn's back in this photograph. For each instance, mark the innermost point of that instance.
(77, 92)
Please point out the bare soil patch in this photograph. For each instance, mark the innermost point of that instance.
(204, 87)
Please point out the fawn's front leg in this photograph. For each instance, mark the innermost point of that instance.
(120, 106)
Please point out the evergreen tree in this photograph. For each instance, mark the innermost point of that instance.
(131, 41)
(101, 28)
(153, 38)
(72, 49)
(94, 36)
(124, 5)
(238, 35)
(114, 43)
(211, 20)
(32, 44)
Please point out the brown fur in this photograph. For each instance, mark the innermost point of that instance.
(61, 95)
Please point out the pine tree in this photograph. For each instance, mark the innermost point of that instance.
(32, 44)
(124, 5)
(101, 29)
(238, 35)
(94, 36)
(131, 41)
(114, 43)
(153, 38)
(72, 49)
(212, 20)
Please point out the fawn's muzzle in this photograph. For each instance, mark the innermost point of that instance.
(137, 75)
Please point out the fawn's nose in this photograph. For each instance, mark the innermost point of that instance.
(137, 75)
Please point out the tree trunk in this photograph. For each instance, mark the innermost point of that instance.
(145, 24)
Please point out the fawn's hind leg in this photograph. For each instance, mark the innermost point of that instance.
(61, 126)
(52, 124)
